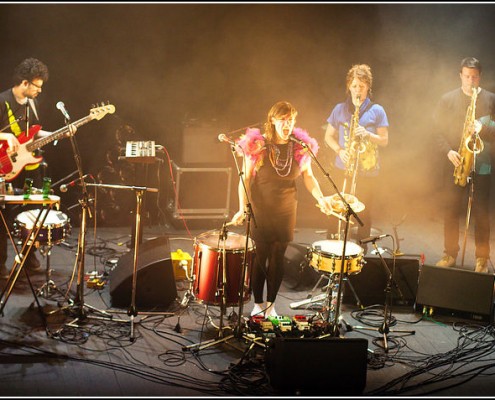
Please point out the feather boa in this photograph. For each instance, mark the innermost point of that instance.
(253, 147)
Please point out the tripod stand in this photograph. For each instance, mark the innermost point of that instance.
(132, 312)
(48, 288)
(384, 328)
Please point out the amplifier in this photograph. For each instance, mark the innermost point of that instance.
(456, 292)
(369, 284)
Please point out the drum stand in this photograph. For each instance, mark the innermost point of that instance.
(311, 299)
(384, 328)
(20, 259)
(49, 287)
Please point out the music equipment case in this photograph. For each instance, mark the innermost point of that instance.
(201, 192)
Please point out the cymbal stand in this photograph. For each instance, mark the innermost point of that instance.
(334, 331)
(384, 328)
(132, 312)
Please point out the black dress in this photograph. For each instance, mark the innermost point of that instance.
(274, 197)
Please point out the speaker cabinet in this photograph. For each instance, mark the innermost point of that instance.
(456, 292)
(155, 282)
(371, 282)
(298, 274)
(311, 366)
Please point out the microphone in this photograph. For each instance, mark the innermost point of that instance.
(225, 139)
(64, 188)
(61, 107)
(294, 139)
(373, 238)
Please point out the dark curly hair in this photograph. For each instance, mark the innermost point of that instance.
(30, 69)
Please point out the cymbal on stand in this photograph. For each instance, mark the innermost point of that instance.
(338, 205)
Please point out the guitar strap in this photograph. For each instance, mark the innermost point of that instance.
(33, 107)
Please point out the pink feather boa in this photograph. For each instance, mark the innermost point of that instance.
(253, 145)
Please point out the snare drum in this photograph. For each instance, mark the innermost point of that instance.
(326, 256)
(208, 267)
(54, 230)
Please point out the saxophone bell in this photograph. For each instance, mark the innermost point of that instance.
(474, 144)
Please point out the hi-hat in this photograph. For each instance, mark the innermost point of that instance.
(339, 207)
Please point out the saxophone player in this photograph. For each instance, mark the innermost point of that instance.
(462, 113)
(369, 124)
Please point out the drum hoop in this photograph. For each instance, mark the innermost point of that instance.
(335, 255)
(46, 225)
(216, 249)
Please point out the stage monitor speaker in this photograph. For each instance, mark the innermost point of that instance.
(456, 292)
(371, 282)
(298, 274)
(316, 367)
(155, 282)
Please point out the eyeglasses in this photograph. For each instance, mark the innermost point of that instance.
(35, 85)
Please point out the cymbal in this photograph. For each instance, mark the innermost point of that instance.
(338, 205)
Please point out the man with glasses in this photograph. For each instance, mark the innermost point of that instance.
(19, 112)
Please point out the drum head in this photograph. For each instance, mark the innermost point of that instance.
(234, 241)
(53, 219)
(335, 247)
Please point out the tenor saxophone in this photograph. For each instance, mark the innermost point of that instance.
(353, 146)
(471, 144)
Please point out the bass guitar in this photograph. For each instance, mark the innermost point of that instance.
(11, 165)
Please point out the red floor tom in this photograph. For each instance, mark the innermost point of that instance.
(209, 252)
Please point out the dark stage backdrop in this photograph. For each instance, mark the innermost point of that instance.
(167, 67)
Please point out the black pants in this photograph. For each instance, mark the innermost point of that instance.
(455, 211)
(268, 267)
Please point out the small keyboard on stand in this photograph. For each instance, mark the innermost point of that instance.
(143, 151)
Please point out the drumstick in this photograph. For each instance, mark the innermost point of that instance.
(335, 215)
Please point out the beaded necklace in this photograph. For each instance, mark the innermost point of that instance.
(281, 165)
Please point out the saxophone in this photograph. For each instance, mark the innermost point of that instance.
(471, 144)
(353, 146)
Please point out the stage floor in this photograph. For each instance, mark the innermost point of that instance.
(89, 347)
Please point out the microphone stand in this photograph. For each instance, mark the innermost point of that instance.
(238, 331)
(470, 201)
(132, 312)
(334, 331)
(78, 304)
(384, 328)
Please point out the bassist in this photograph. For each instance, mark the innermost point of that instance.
(18, 112)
